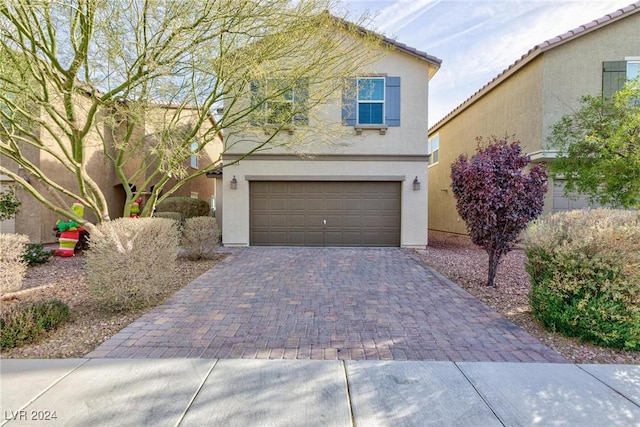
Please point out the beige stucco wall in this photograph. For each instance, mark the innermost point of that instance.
(377, 155)
(37, 222)
(575, 68)
(528, 104)
(211, 154)
(409, 138)
(413, 203)
(512, 108)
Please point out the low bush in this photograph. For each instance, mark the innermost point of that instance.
(12, 266)
(35, 254)
(131, 260)
(200, 238)
(171, 215)
(187, 207)
(585, 275)
(26, 322)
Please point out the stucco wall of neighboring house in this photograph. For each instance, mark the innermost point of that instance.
(34, 219)
(200, 187)
(528, 103)
(377, 154)
(37, 222)
(512, 108)
(574, 69)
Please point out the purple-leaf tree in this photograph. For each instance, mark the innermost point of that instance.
(496, 197)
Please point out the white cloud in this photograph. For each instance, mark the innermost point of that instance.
(478, 39)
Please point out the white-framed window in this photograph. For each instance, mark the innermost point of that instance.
(194, 154)
(633, 68)
(433, 148)
(370, 100)
(280, 101)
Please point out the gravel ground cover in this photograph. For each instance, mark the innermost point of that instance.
(89, 324)
(466, 264)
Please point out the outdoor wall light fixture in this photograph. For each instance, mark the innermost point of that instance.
(416, 184)
(22, 173)
(234, 183)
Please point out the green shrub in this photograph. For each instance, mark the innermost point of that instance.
(187, 207)
(200, 238)
(131, 260)
(12, 266)
(26, 322)
(36, 254)
(585, 275)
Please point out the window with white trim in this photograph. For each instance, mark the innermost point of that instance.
(433, 149)
(194, 154)
(370, 101)
(615, 74)
(633, 69)
(280, 101)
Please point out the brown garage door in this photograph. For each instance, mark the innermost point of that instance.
(325, 213)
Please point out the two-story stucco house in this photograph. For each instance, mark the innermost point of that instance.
(528, 98)
(366, 188)
(37, 222)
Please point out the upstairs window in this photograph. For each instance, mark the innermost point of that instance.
(194, 155)
(280, 101)
(371, 102)
(633, 69)
(433, 148)
(616, 73)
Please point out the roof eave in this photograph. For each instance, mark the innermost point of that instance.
(534, 53)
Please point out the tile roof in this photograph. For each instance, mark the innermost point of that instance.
(393, 43)
(540, 48)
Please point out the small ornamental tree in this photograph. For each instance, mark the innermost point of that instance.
(599, 148)
(495, 197)
(9, 204)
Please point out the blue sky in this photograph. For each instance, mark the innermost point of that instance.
(476, 39)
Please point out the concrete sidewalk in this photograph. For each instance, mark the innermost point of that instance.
(200, 392)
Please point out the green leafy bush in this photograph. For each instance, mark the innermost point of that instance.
(131, 260)
(26, 322)
(9, 204)
(35, 254)
(200, 238)
(585, 275)
(187, 207)
(12, 266)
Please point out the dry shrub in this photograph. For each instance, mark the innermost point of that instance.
(130, 260)
(200, 238)
(585, 274)
(12, 266)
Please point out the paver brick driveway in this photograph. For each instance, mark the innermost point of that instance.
(325, 303)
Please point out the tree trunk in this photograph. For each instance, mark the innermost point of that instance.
(494, 260)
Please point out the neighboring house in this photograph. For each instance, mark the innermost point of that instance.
(37, 222)
(358, 191)
(528, 98)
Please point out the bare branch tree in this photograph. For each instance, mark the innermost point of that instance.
(134, 83)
